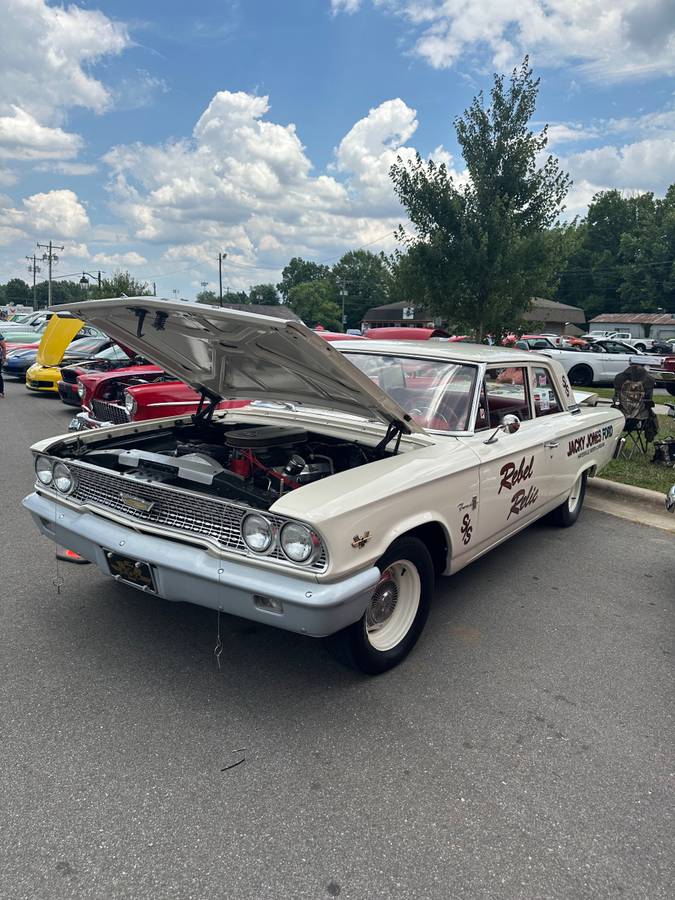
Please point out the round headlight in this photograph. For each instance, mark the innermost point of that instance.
(129, 404)
(298, 542)
(257, 533)
(43, 469)
(80, 390)
(63, 478)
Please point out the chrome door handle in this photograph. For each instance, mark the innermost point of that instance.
(552, 444)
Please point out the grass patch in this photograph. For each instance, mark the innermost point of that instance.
(640, 470)
(608, 393)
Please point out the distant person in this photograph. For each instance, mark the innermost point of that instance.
(3, 354)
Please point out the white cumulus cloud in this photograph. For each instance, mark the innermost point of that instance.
(624, 39)
(57, 213)
(46, 54)
(46, 59)
(120, 260)
(23, 137)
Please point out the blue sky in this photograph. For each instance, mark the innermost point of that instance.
(151, 135)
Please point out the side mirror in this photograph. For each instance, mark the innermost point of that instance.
(510, 424)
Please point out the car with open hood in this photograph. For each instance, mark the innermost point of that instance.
(359, 473)
(111, 359)
(61, 330)
(20, 360)
(138, 392)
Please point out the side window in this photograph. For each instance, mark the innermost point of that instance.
(506, 392)
(544, 393)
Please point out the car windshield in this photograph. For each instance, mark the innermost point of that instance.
(113, 352)
(437, 394)
(84, 345)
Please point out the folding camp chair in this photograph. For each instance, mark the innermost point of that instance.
(633, 390)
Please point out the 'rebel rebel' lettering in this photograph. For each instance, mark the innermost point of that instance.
(511, 475)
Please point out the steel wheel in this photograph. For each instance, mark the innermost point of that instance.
(396, 612)
(568, 512)
(393, 606)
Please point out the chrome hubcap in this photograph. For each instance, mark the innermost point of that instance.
(393, 605)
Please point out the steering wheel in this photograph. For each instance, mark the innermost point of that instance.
(435, 421)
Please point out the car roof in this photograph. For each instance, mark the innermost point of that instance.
(457, 351)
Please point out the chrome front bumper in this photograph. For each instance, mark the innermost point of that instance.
(84, 422)
(190, 574)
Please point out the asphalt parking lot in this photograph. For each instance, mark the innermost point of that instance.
(524, 750)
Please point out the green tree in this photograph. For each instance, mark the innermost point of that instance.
(239, 297)
(18, 292)
(366, 281)
(315, 305)
(480, 248)
(264, 294)
(209, 297)
(62, 292)
(300, 271)
(119, 283)
(620, 258)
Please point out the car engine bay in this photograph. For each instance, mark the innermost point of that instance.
(254, 465)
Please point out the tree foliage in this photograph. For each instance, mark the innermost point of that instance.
(300, 271)
(366, 281)
(119, 283)
(479, 250)
(621, 257)
(314, 303)
(264, 294)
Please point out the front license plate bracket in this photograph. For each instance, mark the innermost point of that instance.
(131, 571)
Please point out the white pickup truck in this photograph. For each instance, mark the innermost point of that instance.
(601, 363)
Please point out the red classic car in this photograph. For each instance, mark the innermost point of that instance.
(158, 400)
(401, 333)
(100, 393)
(112, 359)
(143, 392)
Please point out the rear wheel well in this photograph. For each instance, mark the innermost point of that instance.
(433, 536)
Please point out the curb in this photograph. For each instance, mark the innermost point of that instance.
(635, 504)
(628, 492)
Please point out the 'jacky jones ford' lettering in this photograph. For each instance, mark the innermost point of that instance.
(512, 475)
(592, 439)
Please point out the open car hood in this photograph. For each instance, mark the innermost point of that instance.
(55, 339)
(235, 355)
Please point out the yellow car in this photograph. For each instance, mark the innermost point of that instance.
(44, 375)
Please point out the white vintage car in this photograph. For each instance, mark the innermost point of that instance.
(602, 362)
(359, 473)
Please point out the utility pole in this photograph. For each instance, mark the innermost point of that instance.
(221, 257)
(343, 294)
(34, 268)
(50, 258)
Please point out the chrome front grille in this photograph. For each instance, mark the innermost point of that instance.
(109, 412)
(175, 509)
